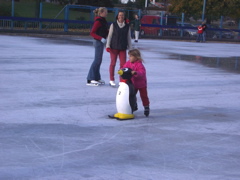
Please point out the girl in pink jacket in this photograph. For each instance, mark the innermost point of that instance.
(139, 78)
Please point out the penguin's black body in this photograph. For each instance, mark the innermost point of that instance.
(126, 96)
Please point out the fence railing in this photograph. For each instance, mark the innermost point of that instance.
(188, 32)
(41, 25)
(44, 25)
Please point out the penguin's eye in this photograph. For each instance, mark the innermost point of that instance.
(125, 69)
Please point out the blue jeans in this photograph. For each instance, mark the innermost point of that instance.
(94, 71)
(204, 36)
(199, 37)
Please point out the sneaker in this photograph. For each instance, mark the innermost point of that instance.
(112, 83)
(101, 81)
(146, 111)
(136, 41)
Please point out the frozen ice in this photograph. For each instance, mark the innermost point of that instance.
(53, 126)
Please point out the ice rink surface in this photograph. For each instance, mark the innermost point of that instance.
(54, 127)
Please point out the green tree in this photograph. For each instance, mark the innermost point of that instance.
(37, 8)
(5, 10)
(214, 8)
(140, 4)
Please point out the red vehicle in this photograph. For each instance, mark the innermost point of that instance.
(155, 20)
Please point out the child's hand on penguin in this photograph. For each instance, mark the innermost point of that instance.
(134, 72)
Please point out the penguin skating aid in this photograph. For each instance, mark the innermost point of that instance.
(125, 97)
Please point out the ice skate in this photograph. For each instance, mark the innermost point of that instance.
(93, 83)
(146, 111)
(102, 82)
(135, 107)
(112, 83)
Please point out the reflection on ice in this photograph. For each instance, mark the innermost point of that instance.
(226, 63)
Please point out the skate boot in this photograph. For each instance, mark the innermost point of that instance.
(93, 83)
(146, 111)
(135, 107)
(112, 83)
(101, 81)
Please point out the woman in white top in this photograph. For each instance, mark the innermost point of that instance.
(118, 41)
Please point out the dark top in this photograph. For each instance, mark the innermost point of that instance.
(204, 27)
(136, 24)
(100, 28)
(119, 39)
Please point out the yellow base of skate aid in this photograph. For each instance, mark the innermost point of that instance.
(124, 116)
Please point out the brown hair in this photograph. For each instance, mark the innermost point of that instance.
(136, 53)
(99, 10)
(119, 13)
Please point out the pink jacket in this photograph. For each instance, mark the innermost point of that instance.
(139, 80)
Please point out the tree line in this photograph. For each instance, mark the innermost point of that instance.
(191, 8)
(214, 8)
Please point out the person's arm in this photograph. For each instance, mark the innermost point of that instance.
(94, 29)
(109, 38)
(140, 71)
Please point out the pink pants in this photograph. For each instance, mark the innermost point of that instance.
(114, 53)
(143, 95)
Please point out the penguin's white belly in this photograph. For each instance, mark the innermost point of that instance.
(122, 99)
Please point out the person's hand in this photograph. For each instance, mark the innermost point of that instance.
(103, 40)
(134, 72)
(108, 49)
